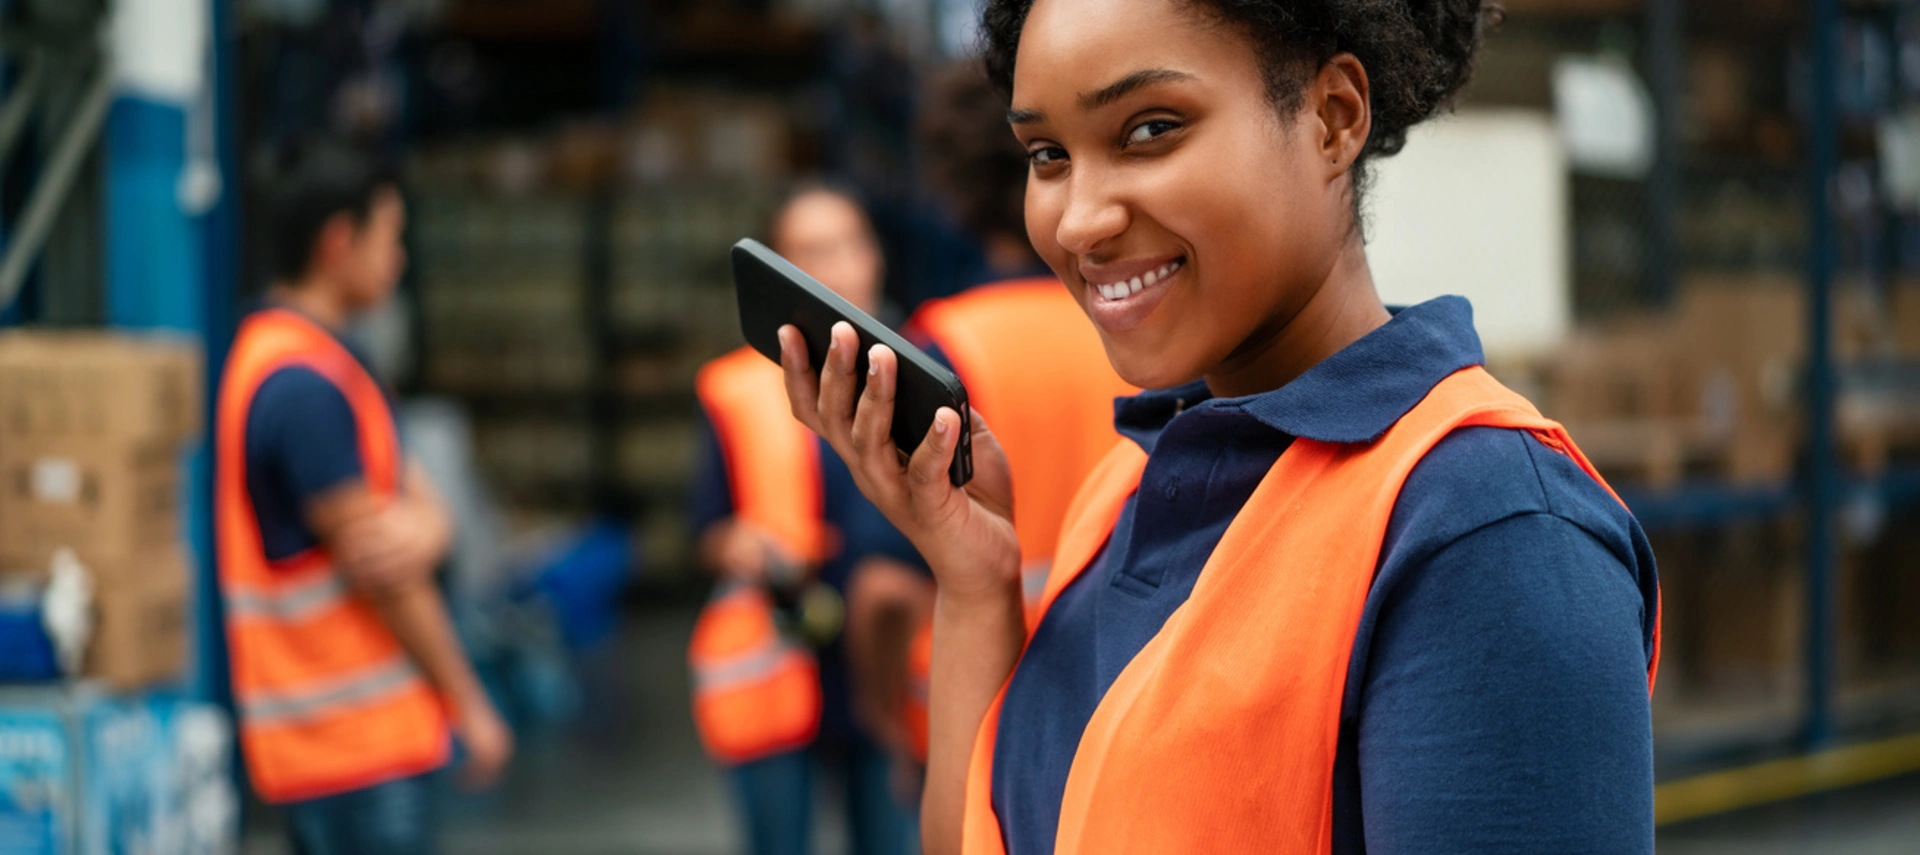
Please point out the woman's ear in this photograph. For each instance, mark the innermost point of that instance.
(1345, 112)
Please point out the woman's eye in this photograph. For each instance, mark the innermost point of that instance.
(1047, 155)
(1148, 130)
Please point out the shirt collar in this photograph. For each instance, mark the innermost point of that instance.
(1352, 396)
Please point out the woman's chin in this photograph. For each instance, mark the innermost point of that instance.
(1149, 368)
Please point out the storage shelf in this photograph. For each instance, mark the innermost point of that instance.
(1706, 504)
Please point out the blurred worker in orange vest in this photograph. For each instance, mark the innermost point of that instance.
(781, 522)
(1033, 367)
(347, 676)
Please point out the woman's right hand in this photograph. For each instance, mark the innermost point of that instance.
(965, 534)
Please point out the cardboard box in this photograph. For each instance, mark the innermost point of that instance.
(141, 622)
(1743, 339)
(1732, 610)
(1905, 306)
(1621, 370)
(90, 384)
(105, 500)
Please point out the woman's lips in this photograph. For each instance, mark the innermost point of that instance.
(1120, 306)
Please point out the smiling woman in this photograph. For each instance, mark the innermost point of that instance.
(1239, 153)
(1338, 590)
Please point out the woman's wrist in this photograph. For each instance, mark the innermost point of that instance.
(969, 581)
(983, 599)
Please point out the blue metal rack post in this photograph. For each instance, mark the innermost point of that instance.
(1823, 134)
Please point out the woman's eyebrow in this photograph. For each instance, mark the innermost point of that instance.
(1118, 89)
(1108, 94)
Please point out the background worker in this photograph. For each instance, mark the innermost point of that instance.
(777, 516)
(1032, 366)
(347, 674)
(1339, 590)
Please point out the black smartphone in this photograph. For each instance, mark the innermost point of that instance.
(773, 293)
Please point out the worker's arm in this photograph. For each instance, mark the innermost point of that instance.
(734, 548)
(382, 544)
(887, 602)
(387, 551)
(966, 536)
(727, 546)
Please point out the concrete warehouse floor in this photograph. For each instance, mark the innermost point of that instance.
(629, 777)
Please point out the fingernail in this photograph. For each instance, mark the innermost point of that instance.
(873, 364)
(939, 425)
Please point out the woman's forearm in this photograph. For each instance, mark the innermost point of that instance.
(976, 642)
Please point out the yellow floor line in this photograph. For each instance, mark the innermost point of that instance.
(1719, 792)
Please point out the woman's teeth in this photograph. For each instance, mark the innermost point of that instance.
(1130, 287)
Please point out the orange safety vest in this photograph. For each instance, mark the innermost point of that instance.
(1246, 668)
(1034, 367)
(756, 693)
(328, 700)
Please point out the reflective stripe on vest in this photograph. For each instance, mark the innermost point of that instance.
(328, 700)
(297, 601)
(317, 699)
(772, 460)
(1245, 668)
(742, 669)
(1033, 580)
(756, 693)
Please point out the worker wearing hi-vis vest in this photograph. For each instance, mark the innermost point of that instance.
(781, 523)
(1336, 590)
(1032, 366)
(347, 677)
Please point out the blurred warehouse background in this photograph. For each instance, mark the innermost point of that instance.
(1690, 228)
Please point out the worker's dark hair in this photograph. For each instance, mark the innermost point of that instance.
(305, 185)
(1418, 53)
(968, 155)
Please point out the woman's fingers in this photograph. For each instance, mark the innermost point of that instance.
(803, 386)
(859, 425)
(927, 469)
(873, 420)
(837, 383)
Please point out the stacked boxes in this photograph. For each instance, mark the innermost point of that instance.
(92, 426)
(1714, 388)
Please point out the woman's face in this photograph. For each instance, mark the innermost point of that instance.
(1189, 220)
(828, 236)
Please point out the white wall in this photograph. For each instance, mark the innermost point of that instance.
(1476, 205)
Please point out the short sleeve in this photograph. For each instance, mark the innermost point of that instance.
(302, 430)
(711, 500)
(1505, 706)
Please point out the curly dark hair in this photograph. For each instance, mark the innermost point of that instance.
(1418, 53)
(967, 154)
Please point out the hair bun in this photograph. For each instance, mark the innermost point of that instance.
(1419, 55)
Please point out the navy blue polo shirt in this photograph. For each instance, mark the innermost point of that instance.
(302, 441)
(864, 532)
(1497, 696)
